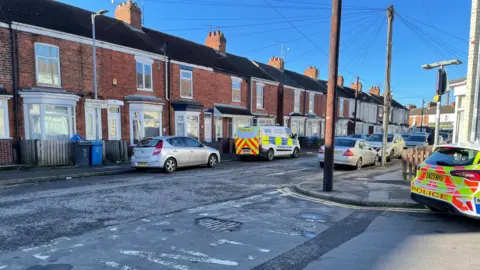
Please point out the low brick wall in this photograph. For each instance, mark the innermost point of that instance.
(6, 152)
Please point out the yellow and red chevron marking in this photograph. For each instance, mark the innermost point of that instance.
(250, 143)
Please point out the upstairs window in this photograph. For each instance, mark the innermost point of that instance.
(340, 107)
(186, 84)
(296, 100)
(144, 73)
(236, 89)
(259, 97)
(47, 63)
(311, 103)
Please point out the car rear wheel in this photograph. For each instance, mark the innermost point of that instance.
(212, 161)
(359, 164)
(296, 153)
(170, 165)
(376, 161)
(322, 165)
(391, 156)
(270, 155)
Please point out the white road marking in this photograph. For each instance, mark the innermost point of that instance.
(182, 257)
(272, 192)
(284, 233)
(114, 236)
(41, 257)
(77, 245)
(113, 229)
(51, 244)
(224, 241)
(163, 223)
(282, 173)
(151, 258)
(250, 257)
(145, 220)
(116, 265)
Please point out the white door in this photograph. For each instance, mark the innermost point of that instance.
(114, 123)
(208, 127)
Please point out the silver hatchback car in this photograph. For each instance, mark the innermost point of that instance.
(172, 152)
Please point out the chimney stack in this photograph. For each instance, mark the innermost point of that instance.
(340, 80)
(311, 72)
(354, 86)
(217, 41)
(277, 62)
(375, 90)
(130, 13)
(411, 106)
(453, 104)
(431, 104)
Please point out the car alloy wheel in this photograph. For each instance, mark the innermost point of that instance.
(359, 163)
(212, 161)
(270, 155)
(296, 153)
(170, 165)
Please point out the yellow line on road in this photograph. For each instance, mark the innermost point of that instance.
(288, 192)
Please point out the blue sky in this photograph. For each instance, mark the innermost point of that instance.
(426, 31)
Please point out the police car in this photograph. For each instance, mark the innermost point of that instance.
(266, 141)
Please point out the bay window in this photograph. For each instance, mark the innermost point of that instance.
(145, 121)
(265, 122)
(187, 124)
(49, 116)
(313, 128)
(297, 126)
(47, 64)
(144, 73)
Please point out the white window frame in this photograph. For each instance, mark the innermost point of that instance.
(145, 62)
(217, 121)
(189, 79)
(141, 108)
(296, 101)
(185, 114)
(341, 106)
(51, 58)
(4, 106)
(311, 103)
(237, 80)
(262, 104)
(265, 121)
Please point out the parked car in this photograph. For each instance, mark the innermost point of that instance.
(395, 144)
(416, 141)
(448, 180)
(350, 151)
(405, 135)
(172, 152)
(358, 136)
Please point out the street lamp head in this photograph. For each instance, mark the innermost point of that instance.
(101, 12)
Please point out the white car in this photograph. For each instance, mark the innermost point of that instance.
(395, 144)
(350, 151)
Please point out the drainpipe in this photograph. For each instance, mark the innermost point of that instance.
(251, 95)
(168, 83)
(167, 94)
(13, 55)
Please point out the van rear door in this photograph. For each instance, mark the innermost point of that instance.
(247, 141)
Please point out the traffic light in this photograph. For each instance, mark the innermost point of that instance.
(442, 81)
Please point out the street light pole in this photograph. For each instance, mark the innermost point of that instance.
(95, 89)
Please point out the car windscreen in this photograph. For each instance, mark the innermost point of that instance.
(148, 142)
(379, 138)
(345, 142)
(417, 138)
(248, 132)
(452, 156)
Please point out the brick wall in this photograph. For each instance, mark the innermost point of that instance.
(270, 99)
(76, 69)
(6, 78)
(6, 152)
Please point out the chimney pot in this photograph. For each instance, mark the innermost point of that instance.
(130, 13)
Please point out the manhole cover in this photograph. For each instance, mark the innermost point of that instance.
(218, 225)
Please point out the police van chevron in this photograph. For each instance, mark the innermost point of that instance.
(266, 141)
(448, 180)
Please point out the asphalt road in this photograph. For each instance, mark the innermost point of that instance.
(234, 216)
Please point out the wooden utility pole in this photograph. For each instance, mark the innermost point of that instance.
(331, 96)
(387, 97)
(355, 109)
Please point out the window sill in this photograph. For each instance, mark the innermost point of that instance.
(237, 101)
(186, 97)
(145, 89)
(50, 85)
(261, 109)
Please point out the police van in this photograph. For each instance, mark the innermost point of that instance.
(266, 141)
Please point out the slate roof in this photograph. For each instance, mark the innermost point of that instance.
(432, 110)
(73, 20)
(278, 75)
(306, 82)
(464, 79)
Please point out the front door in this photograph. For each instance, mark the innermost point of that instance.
(208, 127)
(114, 123)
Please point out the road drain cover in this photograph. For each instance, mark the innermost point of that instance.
(218, 225)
